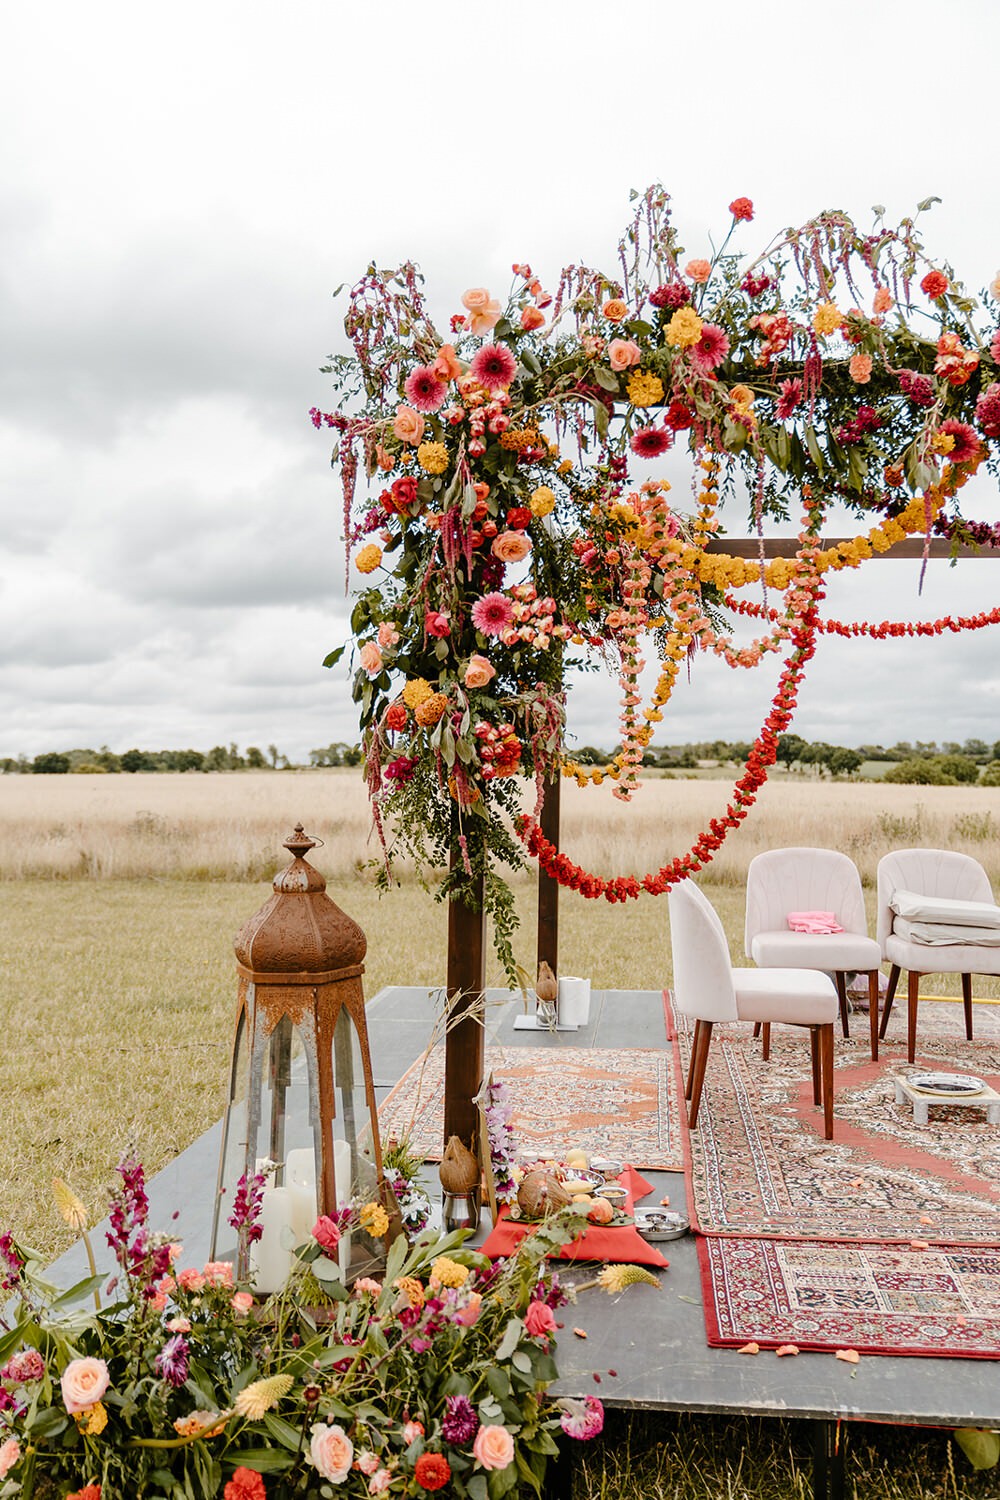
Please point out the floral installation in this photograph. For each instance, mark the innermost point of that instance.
(501, 543)
(433, 1377)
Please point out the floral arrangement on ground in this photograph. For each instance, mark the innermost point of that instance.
(501, 541)
(183, 1385)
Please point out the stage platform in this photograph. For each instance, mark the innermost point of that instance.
(653, 1340)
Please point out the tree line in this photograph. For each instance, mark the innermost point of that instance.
(219, 758)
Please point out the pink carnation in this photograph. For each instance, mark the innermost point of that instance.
(988, 409)
(650, 442)
(582, 1419)
(711, 348)
(424, 390)
(494, 367)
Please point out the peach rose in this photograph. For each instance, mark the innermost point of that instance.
(408, 425)
(241, 1303)
(331, 1452)
(370, 658)
(9, 1455)
(84, 1382)
(484, 310)
(698, 270)
(531, 317)
(218, 1272)
(447, 365)
(511, 546)
(860, 368)
(190, 1280)
(388, 635)
(494, 1447)
(615, 310)
(622, 353)
(479, 671)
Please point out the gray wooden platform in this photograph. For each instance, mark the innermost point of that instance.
(653, 1340)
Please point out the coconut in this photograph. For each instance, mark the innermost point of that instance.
(459, 1170)
(540, 1194)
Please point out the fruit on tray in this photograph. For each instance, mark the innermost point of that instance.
(577, 1186)
(601, 1211)
(541, 1193)
(577, 1159)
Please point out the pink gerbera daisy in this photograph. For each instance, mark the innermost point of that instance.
(650, 442)
(967, 445)
(791, 395)
(711, 348)
(492, 614)
(424, 390)
(494, 367)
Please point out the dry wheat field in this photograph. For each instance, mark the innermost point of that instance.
(121, 896)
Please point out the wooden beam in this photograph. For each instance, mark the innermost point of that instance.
(786, 546)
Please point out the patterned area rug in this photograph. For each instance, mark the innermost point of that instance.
(609, 1101)
(759, 1164)
(875, 1299)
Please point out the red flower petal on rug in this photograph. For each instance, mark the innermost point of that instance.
(750, 1348)
(849, 1356)
(581, 1333)
(787, 1349)
(926, 1219)
(664, 1202)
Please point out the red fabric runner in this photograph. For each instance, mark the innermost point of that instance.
(623, 1244)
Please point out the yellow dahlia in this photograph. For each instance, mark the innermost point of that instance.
(449, 1272)
(684, 328)
(93, 1419)
(417, 690)
(542, 501)
(827, 318)
(256, 1399)
(645, 389)
(369, 558)
(432, 457)
(374, 1220)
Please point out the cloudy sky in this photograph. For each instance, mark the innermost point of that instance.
(183, 187)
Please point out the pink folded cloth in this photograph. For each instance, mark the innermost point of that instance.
(814, 921)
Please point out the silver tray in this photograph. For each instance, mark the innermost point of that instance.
(660, 1224)
(946, 1085)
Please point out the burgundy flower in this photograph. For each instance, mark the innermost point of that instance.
(172, 1360)
(401, 770)
(791, 395)
(246, 1206)
(753, 285)
(919, 388)
(650, 442)
(494, 367)
(672, 294)
(988, 410)
(460, 1423)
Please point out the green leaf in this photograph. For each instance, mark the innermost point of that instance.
(601, 419)
(981, 1447)
(266, 1460)
(283, 1431)
(334, 656)
(476, 1487)
(49, 1423)
(529, 360)
(511, 1339)
(521, 1360)
(815, 451)
(606, 379)
(926, 204)
(78, 1292)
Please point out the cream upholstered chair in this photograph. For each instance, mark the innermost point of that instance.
(939, 874)
(707, 988)
(785, 880)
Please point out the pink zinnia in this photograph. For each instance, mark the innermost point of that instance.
(492, 614)
(791, 395)
(967, 445)
(494, 367)
(424, 390)
(650, 442)
(711, 349)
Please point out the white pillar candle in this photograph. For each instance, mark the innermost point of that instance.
(303, 1211)
(343, 1171)
(270, 1256)
(300, 1168)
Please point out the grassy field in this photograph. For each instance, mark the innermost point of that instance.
(122, 895)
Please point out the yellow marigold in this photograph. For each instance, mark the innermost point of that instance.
(432, 457)
(645, 389)
(516, 439)
(256, 1399)
(69, 1205)
(880, 542)
(93, 1419)
(430, 710)
(542, 501)
(942, 442)
(369, 558)
(409, 1286)
(565, 466)
(617, 1278)
(684, 328)
(827, 318)
(374, 1220)
(449, 1272)
(417, 690)
(653, 715)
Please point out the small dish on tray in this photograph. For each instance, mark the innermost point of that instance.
(946, 1085)
(660, 1224)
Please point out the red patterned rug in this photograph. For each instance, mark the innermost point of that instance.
(873, 1298)
(609, 1101)
(759, 1164)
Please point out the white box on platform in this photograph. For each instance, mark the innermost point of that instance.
(574, 1001)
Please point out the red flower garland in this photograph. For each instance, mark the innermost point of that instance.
(762, 756)
(887, 628)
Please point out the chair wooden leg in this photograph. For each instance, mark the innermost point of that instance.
(912, 996)
(967, 1004)
(890, 995)
(695, 1040)
(841, 983)
(826, 1056)
(756, 1030)
(699, 1072)
(814, 1057)
(873, 1010)
(765, 1046)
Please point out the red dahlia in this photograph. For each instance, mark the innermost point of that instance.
(432, 1471)
(935, 284)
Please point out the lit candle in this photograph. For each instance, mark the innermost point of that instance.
(270, 1256)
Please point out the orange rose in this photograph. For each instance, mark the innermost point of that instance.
(511, 546)
(479, 671)
(615, 310)
(484, 310)
(408, 425)
(447, 365)
(622, 353)
(531, 317)
(698, 270)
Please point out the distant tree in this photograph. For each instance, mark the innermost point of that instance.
(960, 767)
(991, 775)
(589, 755)
(108, 759)
(50, 764)
(89, 768)
(791, 748)
(136, 760)
(189, 760)
(845, 762)
(976, 750)
(919, 771)
(236, 761)
(273, 752)
(353, 755)
(9, 766)
(217, 759)
(255, 758)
